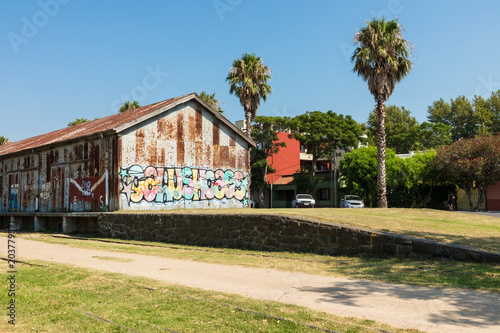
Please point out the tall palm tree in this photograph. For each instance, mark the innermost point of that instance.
(382, 60)
(248, 79)
(129, 106)
(210, 99)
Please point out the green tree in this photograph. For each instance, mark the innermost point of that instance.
(4, 140)
(127, 105)
(429, 136)
(248, 79)
(265, 133)
(211, 100)
(410, 178)
(78, 121)
(381, 59)
(398, 124)
(323, 133)
(471, 162)
(493, 105)
(359, 171)
(465, 120)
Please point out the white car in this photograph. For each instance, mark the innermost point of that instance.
(303, 201)
(352, 201)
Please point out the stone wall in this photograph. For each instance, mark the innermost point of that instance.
(277, 233)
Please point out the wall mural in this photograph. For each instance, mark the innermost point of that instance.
(171, 184)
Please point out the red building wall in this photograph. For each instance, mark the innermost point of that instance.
(287, 161)
(493, 197)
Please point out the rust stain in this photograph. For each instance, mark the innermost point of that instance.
(139, 145)
(97, 159)
(224, 155)
(162, 156)
(215, 136)
(79, 152)
(180, 139)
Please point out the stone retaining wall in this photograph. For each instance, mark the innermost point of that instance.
(278, 233)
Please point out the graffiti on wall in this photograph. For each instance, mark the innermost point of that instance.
(91, 190)
(171, 184)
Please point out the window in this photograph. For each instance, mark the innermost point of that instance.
(323, 194)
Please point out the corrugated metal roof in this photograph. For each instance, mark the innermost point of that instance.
(113, 123)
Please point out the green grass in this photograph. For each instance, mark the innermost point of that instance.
(477, 231)
(63, 298)
(432, 273)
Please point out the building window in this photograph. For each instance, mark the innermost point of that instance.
(324, 194)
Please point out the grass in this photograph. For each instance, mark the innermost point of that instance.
(432, 273)
(63, 298)
(477, 231)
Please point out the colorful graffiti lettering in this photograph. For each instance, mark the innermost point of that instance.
(170, 184)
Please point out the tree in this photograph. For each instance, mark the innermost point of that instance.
(264, 133)
(412, 177)
(398, 124)
(4, 140)
(359, 170)
(211, 100)
(78, 121)
(323, 133)
(493, 105)
(248, 79)
(129, 106)
(382, 60)
(469, 162)
(429, 136)
(465, 118)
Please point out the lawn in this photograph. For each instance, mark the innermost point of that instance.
(61, 298)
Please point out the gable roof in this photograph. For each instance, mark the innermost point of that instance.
(115, 123)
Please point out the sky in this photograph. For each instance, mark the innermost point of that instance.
(67, 59)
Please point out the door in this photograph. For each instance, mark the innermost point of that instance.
(59, 189)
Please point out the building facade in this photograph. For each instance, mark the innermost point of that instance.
(178, 153)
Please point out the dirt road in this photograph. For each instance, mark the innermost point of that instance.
(427, 309)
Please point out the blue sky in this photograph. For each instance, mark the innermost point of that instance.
(67, 59)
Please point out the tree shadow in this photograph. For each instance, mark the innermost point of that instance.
(477, 309)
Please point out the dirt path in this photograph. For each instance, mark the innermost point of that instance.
(427, 309)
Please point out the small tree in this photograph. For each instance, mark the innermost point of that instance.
(264, 132)
(323, 133)
(471, 162)
(4, 140)
(127, 105)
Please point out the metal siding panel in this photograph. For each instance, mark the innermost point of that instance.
(180, 138)
(207, 139)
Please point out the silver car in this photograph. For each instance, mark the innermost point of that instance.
(303, 201)
(352, 201)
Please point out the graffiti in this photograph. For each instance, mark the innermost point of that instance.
(87, 188)
(13, 195)
(170, 184)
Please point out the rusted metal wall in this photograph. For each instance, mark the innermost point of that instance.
(70, 177)
(183, 158)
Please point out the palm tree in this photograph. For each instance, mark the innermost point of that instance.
(382, 60)
(129, 106)
(210, 99)
(248, 80)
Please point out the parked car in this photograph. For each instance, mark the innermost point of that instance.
(351, 201)
(303, 201)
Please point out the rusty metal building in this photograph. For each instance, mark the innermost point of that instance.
(178, 153)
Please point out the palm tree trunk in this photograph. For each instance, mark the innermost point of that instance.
(381, 183)
(248, 118)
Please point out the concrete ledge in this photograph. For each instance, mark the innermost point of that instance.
(278, 233)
